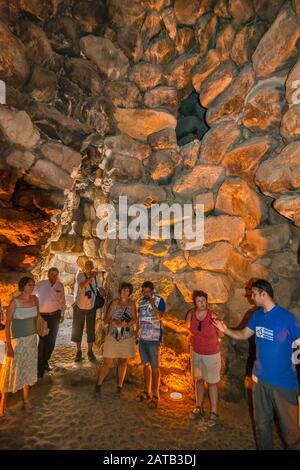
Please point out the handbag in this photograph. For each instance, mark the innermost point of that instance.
(41, 326)
(99, 299)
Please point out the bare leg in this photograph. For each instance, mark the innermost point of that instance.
(2, 404)
(147, 378)
(213, 397)
(27, 404)
(78, 347)
(104, 369)
(199, 392)
(156, 381)
(122, 368)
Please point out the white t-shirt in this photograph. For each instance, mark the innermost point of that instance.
(82, 300)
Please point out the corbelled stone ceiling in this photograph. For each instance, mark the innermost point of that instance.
(189, 101)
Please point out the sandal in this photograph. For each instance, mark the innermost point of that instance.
(143, 396)
(213, 419)
(153, 403)
(198, 413)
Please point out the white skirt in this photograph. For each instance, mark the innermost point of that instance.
(21, 369)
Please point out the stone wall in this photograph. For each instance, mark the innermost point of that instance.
(93, 93)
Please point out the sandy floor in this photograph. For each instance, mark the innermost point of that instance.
(67, 417)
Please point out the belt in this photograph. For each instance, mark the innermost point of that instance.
(50, 313)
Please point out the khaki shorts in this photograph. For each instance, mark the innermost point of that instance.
(206, 367)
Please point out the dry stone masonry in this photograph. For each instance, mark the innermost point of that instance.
(190, 101)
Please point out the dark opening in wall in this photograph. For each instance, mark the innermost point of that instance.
(191, 122)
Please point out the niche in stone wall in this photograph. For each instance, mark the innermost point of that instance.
(191, 123)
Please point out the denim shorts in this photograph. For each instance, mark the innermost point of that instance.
(149, 352)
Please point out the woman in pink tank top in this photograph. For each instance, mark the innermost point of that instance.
(205, 355)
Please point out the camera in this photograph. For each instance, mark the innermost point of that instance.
(88, 294)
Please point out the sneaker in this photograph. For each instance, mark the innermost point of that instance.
(92, 356)
(98, 389)
(198, 413)
(78, 357)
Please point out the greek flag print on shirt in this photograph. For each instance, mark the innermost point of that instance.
(150, 325)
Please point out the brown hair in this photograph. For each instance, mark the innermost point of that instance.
(198, 293)
(24, 281)
(126, 285)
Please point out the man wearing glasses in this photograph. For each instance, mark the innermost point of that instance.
(205, 355)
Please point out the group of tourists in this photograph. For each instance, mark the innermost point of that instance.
(277, 332)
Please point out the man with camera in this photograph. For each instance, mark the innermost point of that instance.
(89, 296)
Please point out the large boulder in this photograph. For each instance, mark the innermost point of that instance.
(123, 94)
(14, 66)
(216, 285)
(110, 60)
(178, 73)
(243, 160)
(90, 14)
(45, 173)
(161, 51)
(216, 83)
(277, 48)
(292, 85)
(185, 40)
(237, 198)
(149, 121)
(85, 73)
(130, 41)
(219, 139)
(125, 167)
(125, 145)
(37, 44)
(205, 68)
(289, 206)
(290, 124)
(280, 173)
(245, 43)
(18, 128)
(64, 157)
(162, 165)
(188, 12)
(224, 41)
(201, 177)
(205, 32)
(162, 97)
(138, 193)
(241, 11)
(146, 75)
(231, 102)
(261, 241)
(264, 105)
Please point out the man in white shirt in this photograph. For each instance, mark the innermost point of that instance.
(87, 284)
(52, 306)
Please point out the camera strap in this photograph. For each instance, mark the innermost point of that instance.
(90, 285)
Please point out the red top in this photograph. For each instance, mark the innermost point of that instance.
(205, 341)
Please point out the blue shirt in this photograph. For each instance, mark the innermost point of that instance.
(275, 332)
(150, 325)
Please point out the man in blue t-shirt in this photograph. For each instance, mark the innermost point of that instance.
(277, 334)
(150, 311)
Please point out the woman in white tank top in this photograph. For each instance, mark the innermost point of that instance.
(19, 370)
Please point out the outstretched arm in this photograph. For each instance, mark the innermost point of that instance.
(243, 334)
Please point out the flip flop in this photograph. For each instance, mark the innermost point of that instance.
(212, 420)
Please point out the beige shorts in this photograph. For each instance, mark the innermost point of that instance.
(206, 367)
